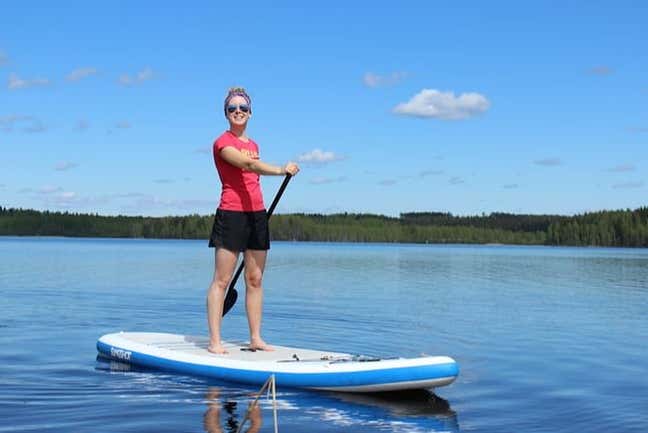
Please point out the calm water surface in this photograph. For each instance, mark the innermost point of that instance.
(547, 339)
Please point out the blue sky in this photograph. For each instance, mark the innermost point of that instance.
(462, 107)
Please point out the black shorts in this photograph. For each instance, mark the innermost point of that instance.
(240, 231)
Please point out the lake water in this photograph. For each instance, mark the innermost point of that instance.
(547, 339)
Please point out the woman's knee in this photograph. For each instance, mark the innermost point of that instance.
(218, 286)
(253, 279)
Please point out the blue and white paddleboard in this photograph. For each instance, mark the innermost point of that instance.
(292, 367)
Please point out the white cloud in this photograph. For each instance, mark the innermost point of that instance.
(125, 80)
(318, 156)
(7, 123)
(326, 180)
(145, 203)
(27, 123)
(49, 189)
(548, 162)
(373, 80)
(628, 185)
(600, 70)
(68, 200)
(145, 74)
(16, 82)
(79, 74)
(67, 195)
(36, 127)
(82, 125)
(65, 165)
(426, 173)
(622, 168)
(456, 180)
(431, 103)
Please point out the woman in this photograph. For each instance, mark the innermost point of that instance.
(241, 223)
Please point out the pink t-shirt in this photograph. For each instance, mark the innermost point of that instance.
(241, 188)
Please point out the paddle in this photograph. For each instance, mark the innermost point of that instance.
(232, 294)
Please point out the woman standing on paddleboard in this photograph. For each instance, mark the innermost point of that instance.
(241, 223)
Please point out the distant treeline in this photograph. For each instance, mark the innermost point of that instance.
(620, 228)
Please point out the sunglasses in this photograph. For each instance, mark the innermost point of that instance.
(243, 107)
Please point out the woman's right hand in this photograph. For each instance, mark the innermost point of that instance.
(291, 168)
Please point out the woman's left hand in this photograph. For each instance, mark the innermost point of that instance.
(291, 168)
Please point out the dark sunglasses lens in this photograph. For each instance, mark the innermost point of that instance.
(243, 108)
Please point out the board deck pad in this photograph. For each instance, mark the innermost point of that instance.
(292, 367)
(236, 349)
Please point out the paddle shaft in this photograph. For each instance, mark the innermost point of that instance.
(231, 295)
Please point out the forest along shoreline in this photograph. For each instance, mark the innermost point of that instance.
(614, 228)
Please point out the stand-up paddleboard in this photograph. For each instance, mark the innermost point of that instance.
(292, 367)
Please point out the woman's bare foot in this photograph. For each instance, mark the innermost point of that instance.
(217, 349)
(259, 344)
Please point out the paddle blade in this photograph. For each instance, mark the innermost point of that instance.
(230, 300)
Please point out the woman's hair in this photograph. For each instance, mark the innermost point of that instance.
(236, 91)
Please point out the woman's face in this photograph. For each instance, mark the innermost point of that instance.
(238, 111)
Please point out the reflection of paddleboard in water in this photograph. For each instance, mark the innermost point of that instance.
(292, 367)
(411, 402)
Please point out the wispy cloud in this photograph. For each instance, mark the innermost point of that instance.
(63, 200)
(133, 202)
(374, 80)
(431, 103)
(426, 173)
(548, 162)
(146, 203)
(3, 58)
(628, 185)
(326, 180)
(81, 73)
(600, 70)
(52, 196)
(511, 186)
(35, 128)
(82, 125)
(163, 181)
(318, 156)
(7, 123)
(49, 189)
(15, 82)
(65, 166)
(622, 168)
(388, 182)
(456, 180)
(145, 74)
(24, 123)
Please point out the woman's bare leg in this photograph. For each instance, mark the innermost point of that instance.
(254, 265)
(224, 264)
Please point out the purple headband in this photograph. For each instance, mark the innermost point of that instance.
(234, 93)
